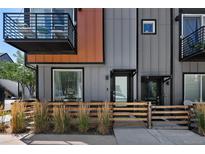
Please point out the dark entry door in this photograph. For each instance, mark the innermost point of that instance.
(151, 90)
(121, 87)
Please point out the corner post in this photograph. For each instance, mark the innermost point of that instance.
(149, 115)
(189, 116)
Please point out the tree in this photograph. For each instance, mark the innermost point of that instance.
(19, 57)
(19, 73)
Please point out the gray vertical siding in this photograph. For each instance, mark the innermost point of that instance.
(182, 67)
(154, 50)
(120, 53)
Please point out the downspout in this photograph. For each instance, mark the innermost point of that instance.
(137, 50)
(171, 56)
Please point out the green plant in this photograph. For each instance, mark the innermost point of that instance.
(18, 118)
(103, 119)
(61, 120)
(18, 72)
(2, 124)
(200, 116)
(83, 116)
(41, 118)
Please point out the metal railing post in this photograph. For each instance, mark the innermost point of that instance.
(149, 115)
(36, 35)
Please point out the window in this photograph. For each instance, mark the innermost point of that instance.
(191, 22)
(67, 84)
(49, 22)
(148, 26)
(194, 87)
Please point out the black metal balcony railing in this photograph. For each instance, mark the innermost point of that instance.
(39, 26)
(193, 45)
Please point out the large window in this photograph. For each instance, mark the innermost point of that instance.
(194, 87)
(67, 84)
(191, 22)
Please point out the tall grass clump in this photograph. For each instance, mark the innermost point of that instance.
(83, 117)
(18, 123)
(61, 120)
(2, 124)
(41, 118)
(103, 119)
(1, 106)
(200, 116)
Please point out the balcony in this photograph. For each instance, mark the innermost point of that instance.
(37, 33)
(193, 46)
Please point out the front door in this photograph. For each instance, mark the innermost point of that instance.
(151, 90)
(121, 87)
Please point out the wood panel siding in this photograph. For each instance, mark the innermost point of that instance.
(89, 41)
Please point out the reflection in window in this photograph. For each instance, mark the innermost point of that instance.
(67, 85)
(194, 87)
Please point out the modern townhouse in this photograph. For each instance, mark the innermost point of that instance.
(120, 55)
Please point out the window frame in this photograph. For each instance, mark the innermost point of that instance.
(190, 15)
(64, 69)
(154, 27)
(184, 86)
(74, 14)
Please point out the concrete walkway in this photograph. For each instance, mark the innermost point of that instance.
(143, 136)
(66, 139)
(9, 139)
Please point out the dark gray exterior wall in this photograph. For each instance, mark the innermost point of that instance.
(154, 55)
(120, 53)
(182, 67)
(154, 50)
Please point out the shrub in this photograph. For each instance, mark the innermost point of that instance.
(41, 118)
(83, 117)
(103, 119)
(61, 120)
(18, 118)
(200, 116)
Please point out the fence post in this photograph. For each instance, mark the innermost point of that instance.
(149, 115)
(189, 116)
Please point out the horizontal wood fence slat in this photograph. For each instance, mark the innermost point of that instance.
(171, 107)
(124, 113)
(169, 112)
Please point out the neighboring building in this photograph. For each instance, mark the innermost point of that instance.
(113, 54)
(5, 57)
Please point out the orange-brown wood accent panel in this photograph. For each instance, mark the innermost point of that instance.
(89, 41)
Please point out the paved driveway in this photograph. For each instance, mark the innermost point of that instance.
(143, 136)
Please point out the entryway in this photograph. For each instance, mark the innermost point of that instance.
(122, 85)
(152, 88)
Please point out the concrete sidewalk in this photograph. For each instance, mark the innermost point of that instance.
(143, 136)
(69, 139)
(10, 139)
(56, 139)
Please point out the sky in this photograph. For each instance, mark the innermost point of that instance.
(4, 47)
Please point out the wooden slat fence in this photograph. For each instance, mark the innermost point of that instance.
(130, 114)
(171, 117)
(141, 114)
